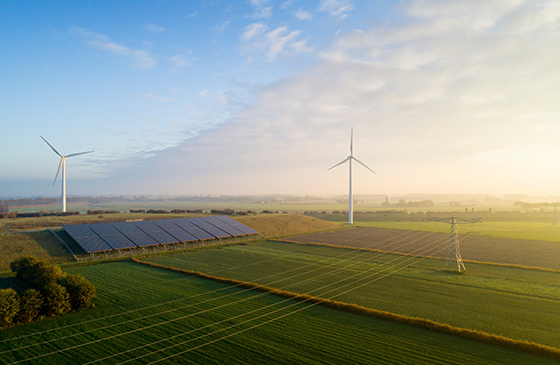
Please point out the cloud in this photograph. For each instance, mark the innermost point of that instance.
(274, 42)
(220, 28)
(261, 11)
(154, 28)
(142, 59)
(253, 30)
(157, 98)
(180, 61)
(339, 8)
(303, 15)
(446, 101)
(203, 93)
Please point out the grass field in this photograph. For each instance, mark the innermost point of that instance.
(141, 312)
(474, 247)
(539, 231)
(43, 245)
(516, 303)
(39, 244)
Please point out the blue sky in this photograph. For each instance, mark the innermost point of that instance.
(252, 97)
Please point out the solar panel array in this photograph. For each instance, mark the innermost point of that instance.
(103, 237)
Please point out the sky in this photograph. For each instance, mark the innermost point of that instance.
(257, 97)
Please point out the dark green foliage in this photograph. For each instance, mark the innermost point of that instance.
(81, 291)
(30, 305)
(9, 306)
(56, 299)
(23, 267)
(44, 273)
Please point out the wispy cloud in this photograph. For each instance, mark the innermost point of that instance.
(253, 30)
(303, 15)
(274, 42)
(157, 98)
(220, 28)
(181, 61)
(154, 28)
(339, 8)
(261, 10)
(430, 113)
(142, 59)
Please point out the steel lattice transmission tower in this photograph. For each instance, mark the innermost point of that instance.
(454, 258)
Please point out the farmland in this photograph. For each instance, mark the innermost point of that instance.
(141, 312)
(473, 247)
(42, 244)
(486, 299)
(514, 302)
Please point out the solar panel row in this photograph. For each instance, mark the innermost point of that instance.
(99, 237)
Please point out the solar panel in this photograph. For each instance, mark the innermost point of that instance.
(86, 238)
(135, 234)
(194, 230)
(232, 231)
(243, 228)
(174, 230)
(213, 230)
(155, 232)
(111, 235)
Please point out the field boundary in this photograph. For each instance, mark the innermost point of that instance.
(505, 342)
(525, 267)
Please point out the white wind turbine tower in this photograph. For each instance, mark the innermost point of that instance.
(63, 166)
(349, 159)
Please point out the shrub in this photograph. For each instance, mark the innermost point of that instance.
(56, 299)
(23, 267)
(43, 273)
(30, 304)
(9, 306)
(81, 291)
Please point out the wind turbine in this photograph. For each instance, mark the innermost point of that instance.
(63, 166)
(349, 159)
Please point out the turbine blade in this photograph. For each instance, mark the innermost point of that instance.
(363, 164)
(59, 166)
(352, 141)
(80, 153)
(340, 163)
(54, 149)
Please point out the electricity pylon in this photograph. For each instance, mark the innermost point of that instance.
(454, 251)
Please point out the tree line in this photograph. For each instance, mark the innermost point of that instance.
(47, 291)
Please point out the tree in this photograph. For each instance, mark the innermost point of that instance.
(44, 273)
(386, 202)
(9, 306)
(23, 267)
(4, 206)
(81, 291)
(30, 304)
(55, 299)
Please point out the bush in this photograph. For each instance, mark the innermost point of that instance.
(45, 273)
(81, 291)
(56, 299)
(9, 306)
(30, 305)
(23, 267)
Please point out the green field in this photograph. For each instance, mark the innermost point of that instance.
(487, 299)
(538, 231)
(144, 315)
